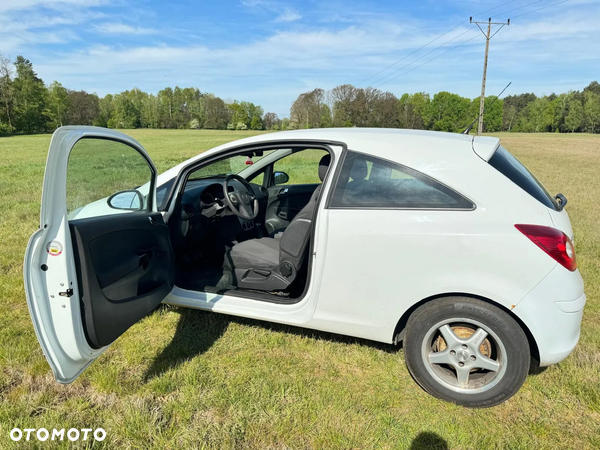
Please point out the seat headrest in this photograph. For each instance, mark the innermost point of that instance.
(359, 169)
(380, 173)
(323, 166)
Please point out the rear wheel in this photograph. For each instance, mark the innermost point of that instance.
(466, 351)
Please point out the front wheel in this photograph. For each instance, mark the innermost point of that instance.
(466, 351)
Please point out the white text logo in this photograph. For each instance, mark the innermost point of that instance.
(42, 434)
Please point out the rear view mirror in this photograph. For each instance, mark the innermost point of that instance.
(126, 200)
(280, 178)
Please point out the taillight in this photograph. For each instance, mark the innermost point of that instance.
(554, 242)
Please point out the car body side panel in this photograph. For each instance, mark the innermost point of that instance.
(401, 257)
(560, 220)
(552, 312)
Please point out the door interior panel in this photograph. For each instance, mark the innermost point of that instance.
(284, 203)
(125, 269)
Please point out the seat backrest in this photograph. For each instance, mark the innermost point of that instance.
(294, 242)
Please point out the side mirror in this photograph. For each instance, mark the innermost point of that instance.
(280, 178)
(126, 200)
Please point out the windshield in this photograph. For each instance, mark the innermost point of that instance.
(228, 166)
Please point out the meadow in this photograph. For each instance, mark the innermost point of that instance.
(190, 379)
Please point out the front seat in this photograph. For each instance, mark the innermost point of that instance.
(269, 264)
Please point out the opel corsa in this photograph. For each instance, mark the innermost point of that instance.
(443, 242)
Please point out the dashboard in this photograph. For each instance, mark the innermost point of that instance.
(204, 197)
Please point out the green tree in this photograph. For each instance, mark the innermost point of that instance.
(126, 113)
(58, 105)
(30, 98)
(591, 109)
(150, 113)
(6, 96)
(513, 106)
(256, 123)
(493, 115)
(538, 116)
(574, 118)
(448, 112)
(105, 113)
(412, 110)
(306, 110)
(217, 113)
(326, 121)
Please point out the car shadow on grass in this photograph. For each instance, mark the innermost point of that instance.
(197, 331)
(428, 441)
(314, 334)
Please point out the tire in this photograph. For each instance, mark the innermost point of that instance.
(466, 351)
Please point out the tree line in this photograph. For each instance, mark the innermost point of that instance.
(349, 106)
(28, 105)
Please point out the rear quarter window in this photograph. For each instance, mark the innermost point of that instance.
(514, 170)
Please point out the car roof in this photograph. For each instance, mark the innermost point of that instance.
(454, 144)
(484, 146)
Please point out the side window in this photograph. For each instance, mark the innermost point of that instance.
(300, 167)
(258, 179)
(106, 177)
(369, 182)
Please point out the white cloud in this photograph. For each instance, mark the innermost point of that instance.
(289, 15)
(538, 54)
(121, 28)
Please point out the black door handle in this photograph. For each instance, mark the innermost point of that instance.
(145, 259)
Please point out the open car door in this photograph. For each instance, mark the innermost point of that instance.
(102, 258)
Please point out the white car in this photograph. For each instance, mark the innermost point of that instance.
(443, 242)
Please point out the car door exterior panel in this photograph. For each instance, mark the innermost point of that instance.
(98, 263)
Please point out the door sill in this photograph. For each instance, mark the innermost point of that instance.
(252, 295)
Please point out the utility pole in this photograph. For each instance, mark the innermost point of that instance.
(485, 61)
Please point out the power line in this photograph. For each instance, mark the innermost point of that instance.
(441, 54)
(539, 9)
(452, 48)
(428, 61)
(491, 9)
(411, 53)
(521, 7)
(420, 57)
(432, 41)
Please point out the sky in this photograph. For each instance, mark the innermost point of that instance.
(270, 51)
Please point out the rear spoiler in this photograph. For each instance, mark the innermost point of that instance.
(485, 146)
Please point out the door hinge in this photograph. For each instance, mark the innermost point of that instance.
(67, 293)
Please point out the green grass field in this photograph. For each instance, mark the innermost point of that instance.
(191, 379)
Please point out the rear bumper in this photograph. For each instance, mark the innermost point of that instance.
(553, 311)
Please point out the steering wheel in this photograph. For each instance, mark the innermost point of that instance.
(242, 203)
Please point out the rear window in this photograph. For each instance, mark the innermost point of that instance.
(513, 169)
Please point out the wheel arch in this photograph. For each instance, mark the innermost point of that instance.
(398, 335)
